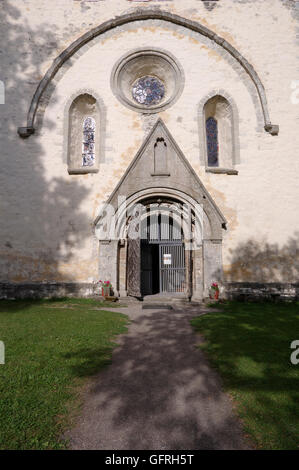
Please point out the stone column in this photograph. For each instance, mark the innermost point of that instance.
(122, 269)
(212, 263)
(108, 262)
(197, 274)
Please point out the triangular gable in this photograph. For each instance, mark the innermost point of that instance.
(161, 163)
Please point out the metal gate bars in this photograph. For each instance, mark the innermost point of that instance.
(172, 267)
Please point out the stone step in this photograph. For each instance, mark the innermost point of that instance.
(160, 301)
(164, 298)
(156, 305)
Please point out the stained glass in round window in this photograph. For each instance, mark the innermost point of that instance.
(148, 90)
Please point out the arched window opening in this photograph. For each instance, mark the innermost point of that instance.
(212, 141)
(83, 135)
(88, 144)
(219, 135)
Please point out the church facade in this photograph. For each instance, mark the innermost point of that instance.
(149, 144)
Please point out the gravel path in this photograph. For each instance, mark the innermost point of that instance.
(159, 392)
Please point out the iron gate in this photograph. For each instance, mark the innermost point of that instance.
(172, 267)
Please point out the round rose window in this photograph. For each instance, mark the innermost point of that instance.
(148, 90)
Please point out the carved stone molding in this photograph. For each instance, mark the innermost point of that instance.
(147, 62)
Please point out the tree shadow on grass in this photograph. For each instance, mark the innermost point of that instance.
(250, 345)
(87, 362)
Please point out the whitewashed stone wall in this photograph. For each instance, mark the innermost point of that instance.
(47, 215)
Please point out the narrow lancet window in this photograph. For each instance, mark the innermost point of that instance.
(212, 141)
(160, 156)
(88, 144)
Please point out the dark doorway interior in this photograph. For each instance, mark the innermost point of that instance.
(150, 272)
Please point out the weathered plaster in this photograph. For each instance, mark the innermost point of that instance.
(140, 15)
(46, 231)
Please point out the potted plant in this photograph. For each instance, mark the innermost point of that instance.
(214, 291)
(106, 288)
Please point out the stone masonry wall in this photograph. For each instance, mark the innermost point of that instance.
(47, 215)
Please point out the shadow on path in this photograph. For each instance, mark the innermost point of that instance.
(159, 392)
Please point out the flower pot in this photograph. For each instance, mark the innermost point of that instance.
(214, 294)
(106, 291)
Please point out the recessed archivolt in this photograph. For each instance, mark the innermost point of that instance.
(141, 15)
(213, 221)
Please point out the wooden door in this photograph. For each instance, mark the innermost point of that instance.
(133, 267)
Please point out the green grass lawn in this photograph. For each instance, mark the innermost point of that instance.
(249, 344)
(50, 349)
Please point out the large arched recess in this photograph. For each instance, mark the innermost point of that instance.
(140, 15)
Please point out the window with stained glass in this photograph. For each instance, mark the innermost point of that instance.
(88, 144)
(148, 90)
(212, 141)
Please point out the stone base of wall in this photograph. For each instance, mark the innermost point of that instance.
(47, 290)
(254, 291)
(244, 291)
